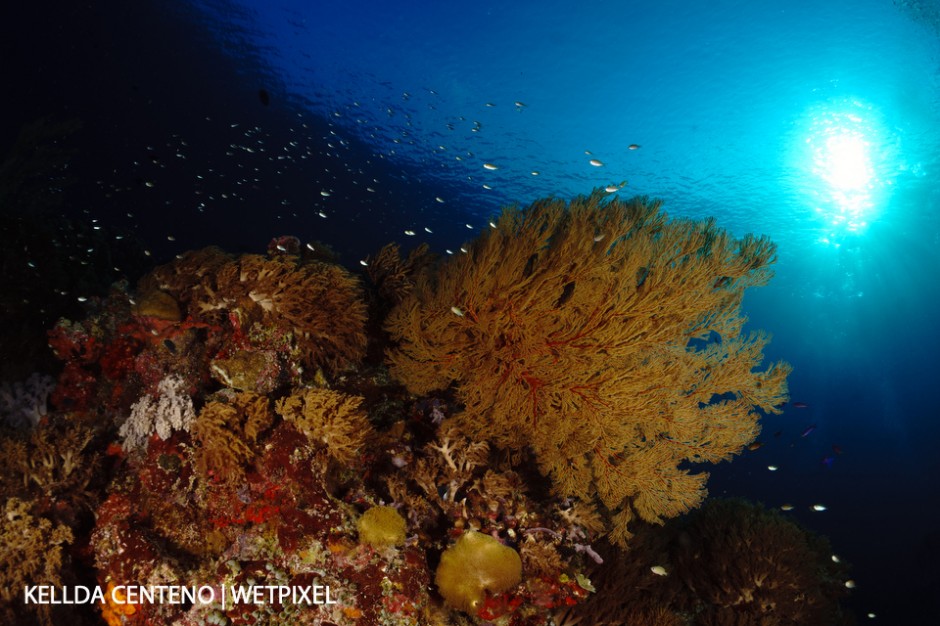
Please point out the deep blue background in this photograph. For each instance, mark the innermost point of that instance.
(380, 116)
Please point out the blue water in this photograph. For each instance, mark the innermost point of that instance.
(812, 122)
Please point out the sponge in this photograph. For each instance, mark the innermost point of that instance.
(381, 526)
(476, 563)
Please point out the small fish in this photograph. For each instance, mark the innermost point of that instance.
(808, 430)
(439, 199)
(757, 445)
(520, 105)
(611, 188)
(456, 311)
(786, 507)
(772, 468)
(819, 507)
(850, 584)
(659, 570)
(410, 233)
(490, 166)
(633, 146)
(428, 230)
(596, 162)
(281, 248)
(599, 237)
(325, 193)
(800, 405)
(492, 224)
(363, 262)
(310, 247)
(321, 214)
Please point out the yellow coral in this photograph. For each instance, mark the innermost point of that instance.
(381, 526)
(318, 306)
(329, 419)
(605, 338)
(222, 451)
(31, 549)
(475, 564)
(320, 303)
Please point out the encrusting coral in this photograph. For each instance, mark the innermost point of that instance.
(604, 338)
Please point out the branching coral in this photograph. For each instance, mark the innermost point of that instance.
(320, 304)
(331, 420)
(171, 410)
(31, 550)
(223, 432)
(392, 275)
(605, 338)
(56, 465)
(730, 562)
(739, 559)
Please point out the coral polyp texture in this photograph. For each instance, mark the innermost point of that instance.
(605, 338)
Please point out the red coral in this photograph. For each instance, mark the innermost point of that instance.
(70, 341)
(75, 388)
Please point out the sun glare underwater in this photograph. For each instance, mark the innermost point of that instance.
(376, 303)
(845, 153)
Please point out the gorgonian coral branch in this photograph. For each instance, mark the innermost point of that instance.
(605, 338)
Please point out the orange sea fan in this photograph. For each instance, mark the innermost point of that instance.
(604, 338)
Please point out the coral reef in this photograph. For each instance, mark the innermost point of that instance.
(171, 410)
(315, 307)
(331, 420)
(31, 549)
(232, 422)
(730, 562)
(604, 338)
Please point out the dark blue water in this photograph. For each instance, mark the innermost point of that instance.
(814, 123)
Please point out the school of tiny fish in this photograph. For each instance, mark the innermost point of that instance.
(338, 188)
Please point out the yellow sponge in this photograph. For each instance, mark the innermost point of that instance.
(476, 563)
(381, 526)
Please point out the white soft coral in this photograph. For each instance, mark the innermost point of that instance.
(171, 410)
